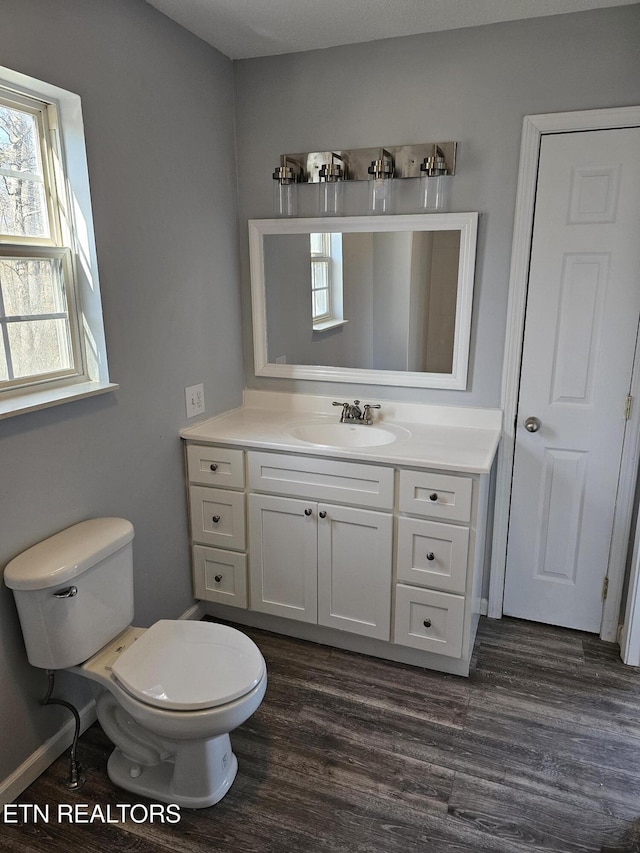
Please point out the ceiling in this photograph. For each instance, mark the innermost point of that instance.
(248, 28)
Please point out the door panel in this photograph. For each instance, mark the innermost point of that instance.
(580, 331)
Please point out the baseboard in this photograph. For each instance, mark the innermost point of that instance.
(484, 606)
(196, 612)
(44, 756)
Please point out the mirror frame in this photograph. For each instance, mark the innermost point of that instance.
(466, 223)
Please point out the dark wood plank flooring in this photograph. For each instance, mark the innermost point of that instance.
(539, 750)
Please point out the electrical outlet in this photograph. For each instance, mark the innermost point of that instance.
(194, 397)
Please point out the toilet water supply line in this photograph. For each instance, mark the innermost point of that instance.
(76, 776)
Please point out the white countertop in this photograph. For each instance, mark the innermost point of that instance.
(453, 438)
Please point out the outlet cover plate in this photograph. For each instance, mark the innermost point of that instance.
(194, 399)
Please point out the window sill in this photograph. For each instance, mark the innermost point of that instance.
(34, 401)
(328, 324)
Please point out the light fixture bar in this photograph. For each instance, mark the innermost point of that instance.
(407, 160)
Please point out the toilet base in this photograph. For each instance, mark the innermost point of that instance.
(198, 776)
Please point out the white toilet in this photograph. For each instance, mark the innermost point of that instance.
(168, 695)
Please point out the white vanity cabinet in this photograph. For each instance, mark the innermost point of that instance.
(316, 561)
(380, 558)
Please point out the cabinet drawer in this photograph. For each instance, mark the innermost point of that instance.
(220, 576)
(322, 479)
(432, 554)
(217, 517)
(429, 620)
(215, 466)
(436, 495)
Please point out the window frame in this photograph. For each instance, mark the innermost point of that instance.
(65, 176)
(331, 259)
(322, 260)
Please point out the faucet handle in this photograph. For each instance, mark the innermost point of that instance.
(366, 416)
(345, 409)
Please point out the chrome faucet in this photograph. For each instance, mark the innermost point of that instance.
(352, 413)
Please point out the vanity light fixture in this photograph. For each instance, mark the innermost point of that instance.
(331, 186)
(381, 183)
(431, 162)
(433, 180)
(287, 175)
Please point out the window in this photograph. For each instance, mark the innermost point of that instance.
(51, 335)
(326, 281)
(320, 277)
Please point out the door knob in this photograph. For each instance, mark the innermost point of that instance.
(532, 424)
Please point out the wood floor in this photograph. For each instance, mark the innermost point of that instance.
(539, 750)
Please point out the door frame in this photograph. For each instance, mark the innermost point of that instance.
(534, 127)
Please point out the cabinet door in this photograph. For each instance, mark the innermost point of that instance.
(283, 549)
(354, 570)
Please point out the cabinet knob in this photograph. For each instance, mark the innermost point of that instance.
(218, 578)
(433, 496)
(431, 556)
(216, 518)
(322, 514)
(427, 623)
(308, 511)
(213, 466)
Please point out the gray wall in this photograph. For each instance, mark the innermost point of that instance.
(474, 86)
(158, 111)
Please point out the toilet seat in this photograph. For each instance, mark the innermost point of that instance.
(187, 666)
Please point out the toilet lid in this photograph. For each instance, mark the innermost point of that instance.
(185, 666)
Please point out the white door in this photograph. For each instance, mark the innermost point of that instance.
(283, 544)
(581, 323)
(354, 570)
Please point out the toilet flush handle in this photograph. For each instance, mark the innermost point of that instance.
(68, 592)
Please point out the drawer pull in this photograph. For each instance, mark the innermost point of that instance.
(431, 556)
(322, 514)
(427, 623)
(433, 496)
(218, 578)
(213, 466)
(308, 512)
(216, 518)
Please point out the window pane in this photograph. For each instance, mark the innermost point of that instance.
(39, 347)
(32, 286)
(23, 209)
(317, 244)
(319, 274)
(320, 303)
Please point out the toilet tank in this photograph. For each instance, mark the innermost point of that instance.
(74, 591)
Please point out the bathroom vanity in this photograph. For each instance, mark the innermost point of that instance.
(365, 537)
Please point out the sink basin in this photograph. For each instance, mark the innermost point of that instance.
(347, 435)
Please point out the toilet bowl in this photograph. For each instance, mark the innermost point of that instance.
(167, 696)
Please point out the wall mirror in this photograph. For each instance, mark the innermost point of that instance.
(383, 300)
